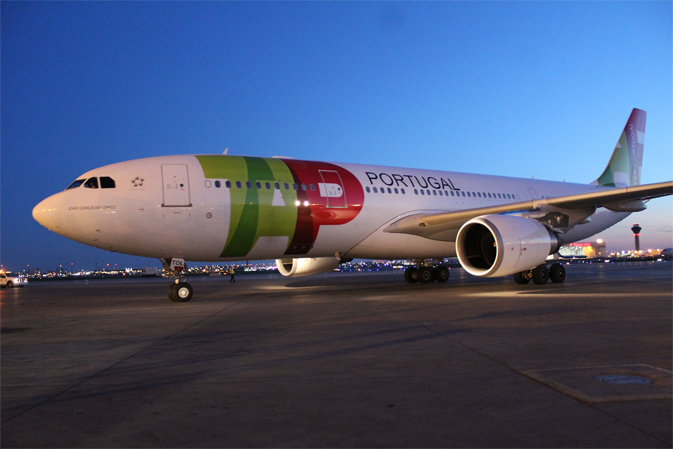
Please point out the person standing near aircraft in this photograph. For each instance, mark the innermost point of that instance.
(232, 272)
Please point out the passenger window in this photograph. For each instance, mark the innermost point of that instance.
(415, 191)
(228, 184)
(91, 183)
(107, 183)
(277, 186)
(402, 190)
(238, 184)
(218, 184)
(294, 186)
(375, 190)
(422, 192)
(75, 184)
(396, 192)
(258, 185)
(312, 188)
(367, 189)
(303, 187)
(248, 184)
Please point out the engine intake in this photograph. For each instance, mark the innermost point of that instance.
(306, 266)
(499, 245)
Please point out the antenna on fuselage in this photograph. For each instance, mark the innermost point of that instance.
(225, 150)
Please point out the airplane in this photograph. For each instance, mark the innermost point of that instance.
(312, 216)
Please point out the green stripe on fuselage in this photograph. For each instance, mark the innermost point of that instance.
(253, 214)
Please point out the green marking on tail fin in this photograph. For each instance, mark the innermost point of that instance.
(626, 163)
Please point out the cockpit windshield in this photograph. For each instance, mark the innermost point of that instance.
(92, 183)
(76, 184)
(107, 183)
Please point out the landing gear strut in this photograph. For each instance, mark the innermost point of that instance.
(540, 275)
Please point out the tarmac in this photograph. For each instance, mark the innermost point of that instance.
(342, 360)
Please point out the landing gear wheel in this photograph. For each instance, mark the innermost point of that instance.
(425, 275)
(557, 273)
(180, 292)
(171, 291)
(441, 273)
(411, 275)
(522, 278)
(540, 275)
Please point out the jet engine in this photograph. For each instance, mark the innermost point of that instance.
(306, 266)
(499, 245)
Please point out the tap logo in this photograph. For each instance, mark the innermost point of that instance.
(283, 198)
(137, 181)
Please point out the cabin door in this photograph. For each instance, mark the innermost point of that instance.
(175, 185)
(332, 188)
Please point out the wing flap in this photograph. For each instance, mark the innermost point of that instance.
(613, 196)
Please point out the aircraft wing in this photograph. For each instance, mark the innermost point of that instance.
(560, 213)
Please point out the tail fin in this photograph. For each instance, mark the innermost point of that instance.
(627, 160)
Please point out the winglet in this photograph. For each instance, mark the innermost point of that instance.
(627, 160)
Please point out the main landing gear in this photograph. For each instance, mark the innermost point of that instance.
(540, 275)
(425, 274)
(179, 291)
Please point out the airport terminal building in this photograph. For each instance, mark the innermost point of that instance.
(587, 250)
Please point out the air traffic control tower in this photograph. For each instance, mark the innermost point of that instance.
(636, 233)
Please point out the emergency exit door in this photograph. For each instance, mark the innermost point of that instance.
(175, 185)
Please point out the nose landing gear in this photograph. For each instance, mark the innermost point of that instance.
(179, 290)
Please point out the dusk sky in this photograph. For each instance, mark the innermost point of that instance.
(509, 88)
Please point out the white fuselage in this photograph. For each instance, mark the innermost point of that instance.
(190, 207)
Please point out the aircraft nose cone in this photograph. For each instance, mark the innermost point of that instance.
(48, 213)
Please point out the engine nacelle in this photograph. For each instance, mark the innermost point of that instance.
(306, 266)
(498, 245)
